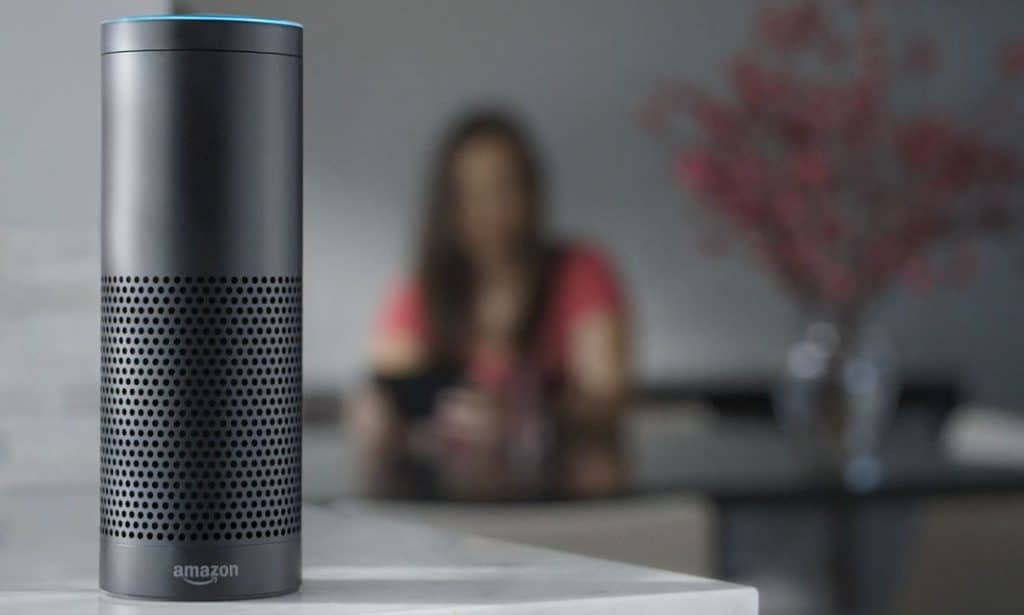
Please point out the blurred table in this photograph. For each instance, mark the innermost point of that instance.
(780, 523)
(779, 513)
(353, 563)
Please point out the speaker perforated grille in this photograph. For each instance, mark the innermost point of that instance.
(201, 392)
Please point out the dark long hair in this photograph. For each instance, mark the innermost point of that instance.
(445, 274)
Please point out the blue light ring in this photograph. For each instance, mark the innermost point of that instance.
(207, 17)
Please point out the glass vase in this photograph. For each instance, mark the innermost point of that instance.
(837, 391)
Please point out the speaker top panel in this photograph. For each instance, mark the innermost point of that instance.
(202, 33)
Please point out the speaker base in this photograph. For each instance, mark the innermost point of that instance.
(200, 571)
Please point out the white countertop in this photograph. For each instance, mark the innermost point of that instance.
(353, 563)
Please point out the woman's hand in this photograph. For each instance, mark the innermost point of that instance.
(591, 460)
(469, 433)
(374, 441)
(468, 422)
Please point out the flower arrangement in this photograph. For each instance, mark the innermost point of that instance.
(808, 164)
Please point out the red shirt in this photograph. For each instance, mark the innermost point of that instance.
(583, 284)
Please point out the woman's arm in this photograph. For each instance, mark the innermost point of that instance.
(594, 402)
(592, 318)
(376, 438)
(597, 371)
(397, 344)
(396, 354)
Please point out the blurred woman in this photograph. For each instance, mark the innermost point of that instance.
(500, 363)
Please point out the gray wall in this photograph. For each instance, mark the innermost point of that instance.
(383, 76)
(49, 243)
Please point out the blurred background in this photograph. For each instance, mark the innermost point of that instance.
(848, 438)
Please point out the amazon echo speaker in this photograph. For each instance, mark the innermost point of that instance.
(201, 307)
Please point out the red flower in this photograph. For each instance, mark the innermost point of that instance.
(962, 266)
(743, 207)
(830, 227)
(995, 217)
(798, 162)
(819, 107)
(758, 86)
(837, 284)
(935, 149)
(862, 109)
(698, 171)
(810, 169)
(860, 5)
(715, 119)
(962, 166)
(919, 56)
(1011, 59)
(919, 275)
(925, 143)
(748, 172)
(1001, 165)
(786, 29)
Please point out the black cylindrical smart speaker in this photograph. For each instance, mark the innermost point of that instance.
(201, 305)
